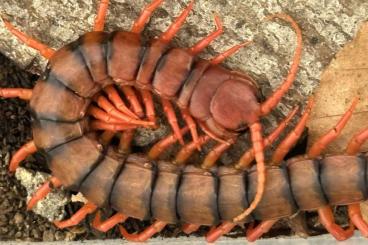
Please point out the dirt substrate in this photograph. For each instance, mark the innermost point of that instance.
(18, 224)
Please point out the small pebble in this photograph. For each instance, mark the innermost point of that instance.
(48, 236)
(18, 218)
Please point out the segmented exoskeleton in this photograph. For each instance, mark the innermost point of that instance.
(80, 92)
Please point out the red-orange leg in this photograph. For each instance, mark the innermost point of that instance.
(100, 125)
(214, 155)
(222, 56)
(257, 141)
(21, 93)
(106, 137)
(44, 50)
(254, 233)
(212, 135)
(115, 98)
(219, 231)
(356, 142)
(189, 228)
(355, 216)
(101, 16)
(169, 34)
(77, 217)
(102, 115)
(109, 223)
(163, 144)
(148, 104)
(290, 140)
(192, 126)
(110, 109)
(187, 150)
(202, 44)
(22, 153)
(247, 158)
(326, 139)
(126, 141)
(275, 98)
(173, 121)
(133, 100)
(143, 236)
(328, 221)
(141, 21)
(42, 192)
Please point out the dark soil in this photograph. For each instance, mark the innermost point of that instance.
(18, 224)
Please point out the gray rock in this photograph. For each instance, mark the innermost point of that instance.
(51, 207)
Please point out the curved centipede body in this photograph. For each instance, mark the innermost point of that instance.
(100, 81)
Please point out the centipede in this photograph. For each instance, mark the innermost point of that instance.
(105, 83)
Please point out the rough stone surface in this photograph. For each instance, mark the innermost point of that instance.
(52, 206)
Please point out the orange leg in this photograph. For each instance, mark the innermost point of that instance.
(133, 100)
(21, 93)
(187, 150)
(77, 217)
(275, 98)
(190, 228)
(213, 155)
(326, 139)
(202, 44)
(356, 142)
(210, 134)
(143, 236)
(163, 144)
(110, 109)
(101, 16)
(169, 34)
(247, 158)
(221, 57)
(114, 97)
(148, 104)
(102, 115)
(257, 141)
(42, 192)
(100, 125)
(27, 149)
(109, 223)
(290, 140)
(173, 121)
(44, 50)
(192, 127)
(328, 221)
(139, 24)
(254, 233)
(126, 141)
(106, 137)
(219, 231)
(355, 216)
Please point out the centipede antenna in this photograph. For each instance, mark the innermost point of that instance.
(290, 140)
(101, 15)
(21, 93)
(356, 142)
(222, 56)
(109, 223)
(275, 98)
(169, 34)
(26, 150)
(42, 192)
(44, 50)
(157, 149)
(173, 121)
(141, 21)
(257, 141)
(88, 208)
(187, 150)
(202, 44)
(331, 135)
(143, 236)
(247, 158)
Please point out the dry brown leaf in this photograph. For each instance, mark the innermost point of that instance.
(345, 78)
